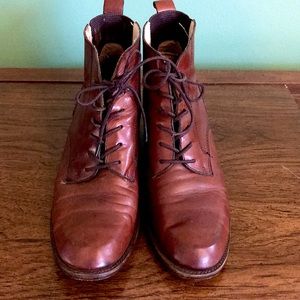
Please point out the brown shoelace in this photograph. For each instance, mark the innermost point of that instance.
(178, 83)
(111, 90)
(114, 88)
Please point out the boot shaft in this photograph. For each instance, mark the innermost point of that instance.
(179, 127)
(103, 135)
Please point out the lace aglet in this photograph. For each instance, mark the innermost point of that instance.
(146, 134)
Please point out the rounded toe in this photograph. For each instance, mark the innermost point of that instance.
(88, 242)
(201, 258)
(196, 245)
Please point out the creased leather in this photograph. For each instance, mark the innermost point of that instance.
(94, 214)
(188, 202)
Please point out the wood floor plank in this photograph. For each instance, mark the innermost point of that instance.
(297, 99)
(248, 77)
(295, 91)
(205, 76)
(41, 75)
(257, 132)
(294, 88)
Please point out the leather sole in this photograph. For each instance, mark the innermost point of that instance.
(187, 273)
(94, 274)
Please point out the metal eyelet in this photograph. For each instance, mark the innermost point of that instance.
(93, 136)
(93, 121)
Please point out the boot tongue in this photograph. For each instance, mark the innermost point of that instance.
(170, 49)
(109, 56)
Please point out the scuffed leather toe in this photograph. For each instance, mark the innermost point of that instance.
(90, 241)
(197, 238)
(193, 249)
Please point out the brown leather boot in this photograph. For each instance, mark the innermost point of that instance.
(188, 202)
(94, 216)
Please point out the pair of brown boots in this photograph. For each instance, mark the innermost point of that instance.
(95, 216)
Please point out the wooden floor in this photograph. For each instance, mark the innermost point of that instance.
(255, 117)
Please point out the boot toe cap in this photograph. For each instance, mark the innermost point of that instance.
(196, 250)
(89, 242)
(197, 236)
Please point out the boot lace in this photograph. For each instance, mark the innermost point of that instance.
(178, 83)
(111, 90)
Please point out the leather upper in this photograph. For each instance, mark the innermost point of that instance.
(82, 128)
(188, 201)
(114, 7)
(164, 5)
(94, 215)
